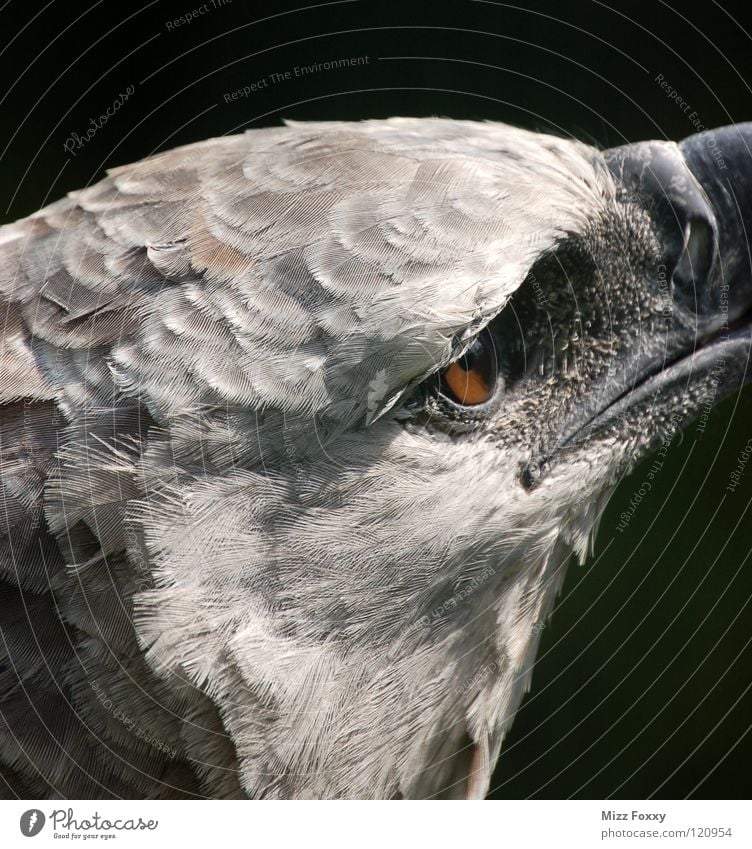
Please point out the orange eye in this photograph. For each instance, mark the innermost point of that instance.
(471, 380)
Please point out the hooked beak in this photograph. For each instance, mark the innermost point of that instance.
(700, 194)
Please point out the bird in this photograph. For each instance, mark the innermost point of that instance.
(300, 428)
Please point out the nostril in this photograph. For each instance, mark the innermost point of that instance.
(698, 245)
(657, 176)
(692, 274)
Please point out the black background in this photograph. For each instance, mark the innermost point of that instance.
(643, 678)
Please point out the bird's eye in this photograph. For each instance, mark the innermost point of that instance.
(471, 380)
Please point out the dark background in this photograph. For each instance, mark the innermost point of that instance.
(642, 686)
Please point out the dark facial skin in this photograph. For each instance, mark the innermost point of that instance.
(625, 330)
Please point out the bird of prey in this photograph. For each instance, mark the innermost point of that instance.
(300, 427)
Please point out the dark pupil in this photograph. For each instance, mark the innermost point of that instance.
(472, 357)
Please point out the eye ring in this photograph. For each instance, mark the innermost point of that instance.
(471, 380)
